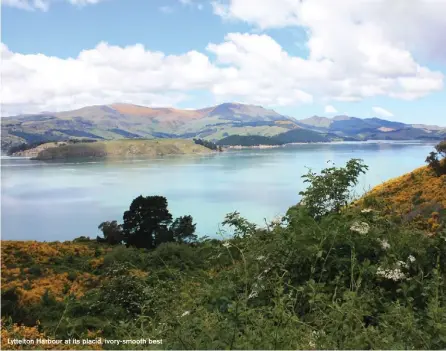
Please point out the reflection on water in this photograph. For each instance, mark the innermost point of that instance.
(63, 200)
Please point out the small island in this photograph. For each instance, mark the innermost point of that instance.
(124, 148)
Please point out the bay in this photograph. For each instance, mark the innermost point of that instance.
(63, 200)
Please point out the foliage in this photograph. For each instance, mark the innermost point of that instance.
(417, 199)
(183, 229)
(329, 191)
(441, 148)
(112, 232)
(437, 160)
(208, 144)
(148, 223)
(248, 140)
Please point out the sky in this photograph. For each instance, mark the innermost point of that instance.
(363, 58)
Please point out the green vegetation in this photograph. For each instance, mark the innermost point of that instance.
(24, 146)
(247, 140)
(300, 135)
(208, 144)
(416, 199)
(436, 160)
(148, 224)
(123, 148)
(327, 275)
(328, 192)
(296, 135)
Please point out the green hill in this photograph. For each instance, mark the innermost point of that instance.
(297, 135)
(117, 121)
(122, 148)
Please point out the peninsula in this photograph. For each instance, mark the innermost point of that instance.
(124, 148)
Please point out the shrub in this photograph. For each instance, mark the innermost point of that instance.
(122, 254)
(330, 191)
(437, 160)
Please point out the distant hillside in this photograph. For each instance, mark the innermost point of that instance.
(247, 140)
(297, 135)
(372, 128)
(119, 121)
(121, 148)
(300, 135)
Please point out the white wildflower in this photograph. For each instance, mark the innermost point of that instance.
(276, 220)
(185, 313)
(366, 210)
(260, 258)
(411, 259)
(384, 244)
(360, 227)
(226, 244)
(392, 274)
(253, 294)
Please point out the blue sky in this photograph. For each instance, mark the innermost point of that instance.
(198, 53)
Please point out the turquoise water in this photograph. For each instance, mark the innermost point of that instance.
(61, 201)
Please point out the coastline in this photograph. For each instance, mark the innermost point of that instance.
(241, 147)
(32, 155)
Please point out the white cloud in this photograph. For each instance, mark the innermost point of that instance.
(250, 68)
(382, 112)
(44, 5)
(348, 23)
(330, 109)
(105, 74)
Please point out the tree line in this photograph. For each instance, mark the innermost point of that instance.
(208, 144)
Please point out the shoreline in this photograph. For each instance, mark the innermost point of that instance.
(240, 147)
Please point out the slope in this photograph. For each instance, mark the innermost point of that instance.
(131, 121)
(418, 197)
(122, 148)
(372, 128)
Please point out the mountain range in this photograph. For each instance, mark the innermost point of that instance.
(117, 121)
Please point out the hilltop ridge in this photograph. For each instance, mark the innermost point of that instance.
(123, 120)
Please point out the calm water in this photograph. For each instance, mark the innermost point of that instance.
(61, 201)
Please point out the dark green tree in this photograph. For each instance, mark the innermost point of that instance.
(146, 222)
(441, 148)
(112, 232)
(183, 229)
(436, 160)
